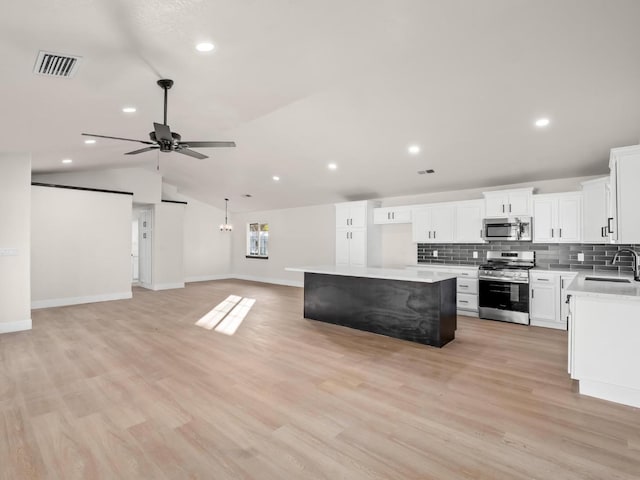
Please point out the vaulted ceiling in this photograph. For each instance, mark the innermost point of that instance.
(301, 84)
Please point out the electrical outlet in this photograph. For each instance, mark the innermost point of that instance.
(435, 253)
(581, 257)
(475, 254)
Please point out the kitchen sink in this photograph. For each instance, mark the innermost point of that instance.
(608, 279)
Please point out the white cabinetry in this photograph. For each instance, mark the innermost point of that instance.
(508, 203)
(547, 307)
(565, 281)
(596, 219)
(544, 306)
(625, 194)
(433, 224)
(387, 215)
(557, 218)
(469, 217)
(357, 239)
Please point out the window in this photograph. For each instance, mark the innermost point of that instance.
(258, 240)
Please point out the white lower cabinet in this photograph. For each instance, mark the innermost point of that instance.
(547, 299)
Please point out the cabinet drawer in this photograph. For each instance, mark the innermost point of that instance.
(542, 277)
(467, 285)
(467, 301)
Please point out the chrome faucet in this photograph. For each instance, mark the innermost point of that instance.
(635, 262)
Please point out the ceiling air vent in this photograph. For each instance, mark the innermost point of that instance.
(56, 65)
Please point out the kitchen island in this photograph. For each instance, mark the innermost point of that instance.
(419, 306)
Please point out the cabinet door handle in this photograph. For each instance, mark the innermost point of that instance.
(463, 301)
(429, 233)
(509, 208)
(609, 224)
(434, 234)
(552, 232)
(602, 230)
(560, 230)
(561, 283)
(533, 293)
(541, 279)
(393, 215)
(463, 286)
(503, 208)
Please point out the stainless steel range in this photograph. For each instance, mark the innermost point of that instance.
(504, 286)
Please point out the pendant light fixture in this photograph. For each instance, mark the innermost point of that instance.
(226, 227)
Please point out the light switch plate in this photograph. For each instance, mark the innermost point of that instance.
(8, 252)
(475, 254)
(581, 257)
(435, 253)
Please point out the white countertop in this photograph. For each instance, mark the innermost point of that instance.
(589, 288)
(440, 266)
(408, 275)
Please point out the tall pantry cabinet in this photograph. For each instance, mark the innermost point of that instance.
(358, 240)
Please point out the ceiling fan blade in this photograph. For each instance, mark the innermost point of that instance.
(142, 150)
(191, 153)
(117, 138)
(207, 144)
(163, 132)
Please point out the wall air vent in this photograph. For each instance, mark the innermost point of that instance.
(56, 65)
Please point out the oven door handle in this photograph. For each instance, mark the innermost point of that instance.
(502, 280)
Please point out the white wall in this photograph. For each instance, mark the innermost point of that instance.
(168, 246)
(80, 247)
(146, 185)
(15, 233)
(207, 250)
(297, 237)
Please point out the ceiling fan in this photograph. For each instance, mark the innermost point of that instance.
(163, 139)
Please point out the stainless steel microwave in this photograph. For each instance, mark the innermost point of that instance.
(507, 229)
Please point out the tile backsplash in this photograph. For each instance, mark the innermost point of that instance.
(550, 256)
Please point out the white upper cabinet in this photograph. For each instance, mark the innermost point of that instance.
(386, 215)
(595, 211)
(509, 203)
(352, 214)
(433, 224)
(557, 218)
(469, 217)
(624, 220)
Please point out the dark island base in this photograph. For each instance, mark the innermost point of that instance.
(416, 311)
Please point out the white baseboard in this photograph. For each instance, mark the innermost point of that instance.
(61, 302)
(167, 286)
(16, 326)
(206, 278)
(613, 393)
(276, 281)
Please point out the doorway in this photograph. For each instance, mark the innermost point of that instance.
(142, 246)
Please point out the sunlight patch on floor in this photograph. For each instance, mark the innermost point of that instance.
(234, 319)
(214, 317)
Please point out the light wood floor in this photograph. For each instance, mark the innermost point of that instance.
(133, 390)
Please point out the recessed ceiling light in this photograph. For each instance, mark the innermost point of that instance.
(205, 47)
(414, 149)
(67, 160)
(276, 178)
(90, 141)
(129, 109)
(332, 166)
(542, 122)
